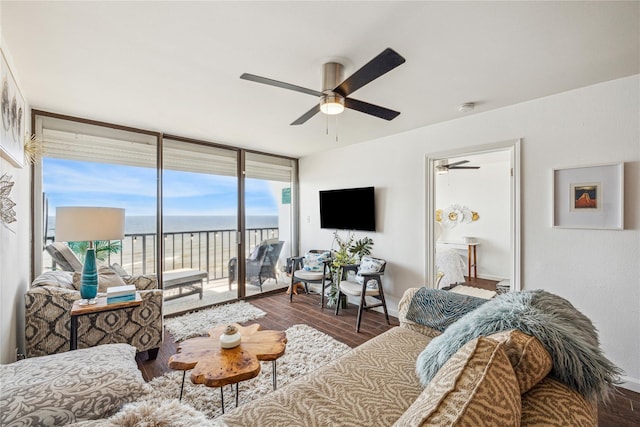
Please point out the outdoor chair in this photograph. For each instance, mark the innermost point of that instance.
(367, 283)
(261, 264)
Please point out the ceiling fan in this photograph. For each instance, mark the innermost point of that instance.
(443, 166)
(334, 97)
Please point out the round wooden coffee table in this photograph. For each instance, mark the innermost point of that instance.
(214, 366)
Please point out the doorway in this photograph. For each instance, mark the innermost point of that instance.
(473, 210)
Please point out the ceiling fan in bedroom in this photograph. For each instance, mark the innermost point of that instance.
(334, 97)
(443, 166)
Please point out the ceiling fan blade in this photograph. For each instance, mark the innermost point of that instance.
(465, 167)
(306, 116)
(283, 85)
(374, 110)
(461, 162)
(381, 64)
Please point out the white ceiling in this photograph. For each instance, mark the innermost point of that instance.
(174, 66)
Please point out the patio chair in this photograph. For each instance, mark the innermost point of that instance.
(261, 264)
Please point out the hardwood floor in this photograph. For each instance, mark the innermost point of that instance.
(622, 411)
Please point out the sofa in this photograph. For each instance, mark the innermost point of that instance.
(505, 378)
(60, 389)
(48, 304)
(411, 376)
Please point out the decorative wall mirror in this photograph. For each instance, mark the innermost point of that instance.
(473, 209)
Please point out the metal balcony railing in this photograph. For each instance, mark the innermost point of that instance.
(206, 250)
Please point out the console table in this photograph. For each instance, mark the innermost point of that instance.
(471, 251)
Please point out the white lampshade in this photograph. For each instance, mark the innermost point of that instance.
(80, 224)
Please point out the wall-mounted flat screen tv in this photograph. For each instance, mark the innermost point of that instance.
(348, 209)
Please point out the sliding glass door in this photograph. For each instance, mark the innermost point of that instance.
(200, 224)
(269, 198)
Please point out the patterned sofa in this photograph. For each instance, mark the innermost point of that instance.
(500, 379)
(48, 322)
(56, 390)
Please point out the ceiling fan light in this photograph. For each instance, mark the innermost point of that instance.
(332, 104)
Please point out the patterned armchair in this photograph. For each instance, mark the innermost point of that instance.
(48, 321)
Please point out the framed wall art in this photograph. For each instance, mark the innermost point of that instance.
(589, 196)
(12, 124)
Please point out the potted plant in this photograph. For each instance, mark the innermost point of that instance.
(348, 252)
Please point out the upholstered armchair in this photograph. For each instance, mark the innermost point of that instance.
(48, 321)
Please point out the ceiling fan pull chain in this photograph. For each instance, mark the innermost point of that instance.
(326, 124)
(336, 129)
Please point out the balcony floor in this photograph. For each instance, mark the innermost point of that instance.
(216, 292)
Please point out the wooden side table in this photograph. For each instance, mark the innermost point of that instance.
(78, 310)
(214, 366)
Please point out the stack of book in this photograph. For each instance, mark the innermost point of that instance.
(121, 294)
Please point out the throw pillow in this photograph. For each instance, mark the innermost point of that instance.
(370, 265)
(438, 309)
(315, 261)
(476, 387)
(551, 403)
(61, 279)
(530, 360)
(118, 269)
(106, 279)
(59, 389)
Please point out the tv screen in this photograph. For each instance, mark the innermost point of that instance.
(348, 209)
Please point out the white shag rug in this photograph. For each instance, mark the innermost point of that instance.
(307, 350)
(474, 292)
(199, 323)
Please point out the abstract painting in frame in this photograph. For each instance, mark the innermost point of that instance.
(12, 126)
(589, 196)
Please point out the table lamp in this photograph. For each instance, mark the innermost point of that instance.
(82, 224)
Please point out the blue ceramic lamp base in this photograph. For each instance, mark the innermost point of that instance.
(89, 284)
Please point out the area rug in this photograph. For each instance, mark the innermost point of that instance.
(474, 292)
(307, 350)
(198, 323)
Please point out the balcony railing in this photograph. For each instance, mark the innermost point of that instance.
(206, 250)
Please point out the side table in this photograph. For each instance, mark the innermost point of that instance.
(78, 310)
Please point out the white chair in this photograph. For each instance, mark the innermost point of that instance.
(368, 283)
(316, 270)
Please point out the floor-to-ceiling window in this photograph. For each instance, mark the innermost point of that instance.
(270, 236)
(197, 214)
(85, 164)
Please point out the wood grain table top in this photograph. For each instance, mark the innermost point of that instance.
(101, 305)
(214, 366)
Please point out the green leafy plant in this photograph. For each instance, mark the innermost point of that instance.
(348, 252)
(362, 247)
(103, 248)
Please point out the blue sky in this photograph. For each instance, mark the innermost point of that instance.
(75, 183)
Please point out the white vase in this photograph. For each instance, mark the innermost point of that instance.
(230, 338)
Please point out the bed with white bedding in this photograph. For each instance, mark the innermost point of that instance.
(451, 264)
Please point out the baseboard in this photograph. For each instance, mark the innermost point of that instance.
(632, 384)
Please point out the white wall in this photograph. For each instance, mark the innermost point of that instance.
(14, 254)
(486, 191)
(597, 270)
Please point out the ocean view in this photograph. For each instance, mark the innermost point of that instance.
(147, 224)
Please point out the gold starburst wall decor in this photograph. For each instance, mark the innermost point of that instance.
(33, 148)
